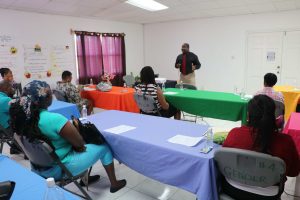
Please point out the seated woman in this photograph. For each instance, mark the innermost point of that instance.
(261, 135)
(72, 92)
(30, 118)
(6, 74)
(149, 87)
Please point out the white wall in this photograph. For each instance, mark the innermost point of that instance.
(220, 44)
(32, 28)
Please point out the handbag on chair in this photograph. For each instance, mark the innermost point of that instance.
(89, 132)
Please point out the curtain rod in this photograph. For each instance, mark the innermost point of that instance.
(95, 33)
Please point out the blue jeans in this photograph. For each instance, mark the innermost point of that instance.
(79, 162)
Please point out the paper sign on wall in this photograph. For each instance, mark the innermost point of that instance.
(270, 56)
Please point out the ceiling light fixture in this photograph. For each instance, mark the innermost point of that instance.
(150, 5)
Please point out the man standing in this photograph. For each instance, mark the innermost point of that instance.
(187, 62)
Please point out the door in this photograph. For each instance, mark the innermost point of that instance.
(264, 51)
(291, 59)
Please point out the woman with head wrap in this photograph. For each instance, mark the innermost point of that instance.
(30, 118)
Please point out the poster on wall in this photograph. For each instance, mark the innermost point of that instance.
(270, 56)
(8, 56)
(61, 59)
(6, 40)
(9, 53)
(36, 62)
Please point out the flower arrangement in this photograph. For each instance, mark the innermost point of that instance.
(106, 77)
(105, 84)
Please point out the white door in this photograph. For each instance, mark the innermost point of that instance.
(291, 59)
(264, 51)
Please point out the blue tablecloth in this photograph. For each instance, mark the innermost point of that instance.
(147, 151)
(28, 184)
(64, 108)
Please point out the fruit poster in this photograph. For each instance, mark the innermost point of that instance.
(61, 59)
(8, 52)
(8, 56)
(36, 62)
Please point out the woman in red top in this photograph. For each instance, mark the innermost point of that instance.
(261, 135)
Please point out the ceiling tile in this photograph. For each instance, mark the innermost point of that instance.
(6, 3)
(261, 8)
(285, 5)
(178, 9)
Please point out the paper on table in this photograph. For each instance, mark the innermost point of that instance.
(120, 129)
(88, 89)
(185, 140)
(170, 93)
(248, 96)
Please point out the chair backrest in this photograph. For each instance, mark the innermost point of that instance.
(6, 189)
(250, 167)
(146, 103)
(18, 89)
(5, 133)
(60, 95)
(280, 110)
(37, 151)
(186, 86)
(129, 80)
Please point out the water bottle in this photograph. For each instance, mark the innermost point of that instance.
(84, 112)
(181, 85)
(242, 94)
(53, 192)
(124, 85)
(163, 86)
(91, 81)
(210, 138)
(235, 90)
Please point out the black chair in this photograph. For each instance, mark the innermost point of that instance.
(60, 95)
(186, 115)
(279, 114)
(5, 137)
(147, 104)
(6, 189)
(41, 156)
(18, 89)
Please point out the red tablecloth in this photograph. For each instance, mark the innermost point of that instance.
(118, 98)
(292, 128)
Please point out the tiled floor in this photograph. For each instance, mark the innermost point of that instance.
(140, 187)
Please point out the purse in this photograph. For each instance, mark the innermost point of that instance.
(89, 132)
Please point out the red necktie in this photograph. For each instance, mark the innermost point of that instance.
(184, 63)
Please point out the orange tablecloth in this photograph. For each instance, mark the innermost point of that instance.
(291, 99)
(116, 99)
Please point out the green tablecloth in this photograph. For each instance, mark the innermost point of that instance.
(218, 105)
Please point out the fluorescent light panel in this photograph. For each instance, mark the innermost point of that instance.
(150, 5)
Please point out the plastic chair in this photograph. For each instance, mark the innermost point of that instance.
(42, 155)
(60, 95)
(129, 80)
(184, 114)
(186, 86)
(147, 104)
(6, 189)
(250, 168)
